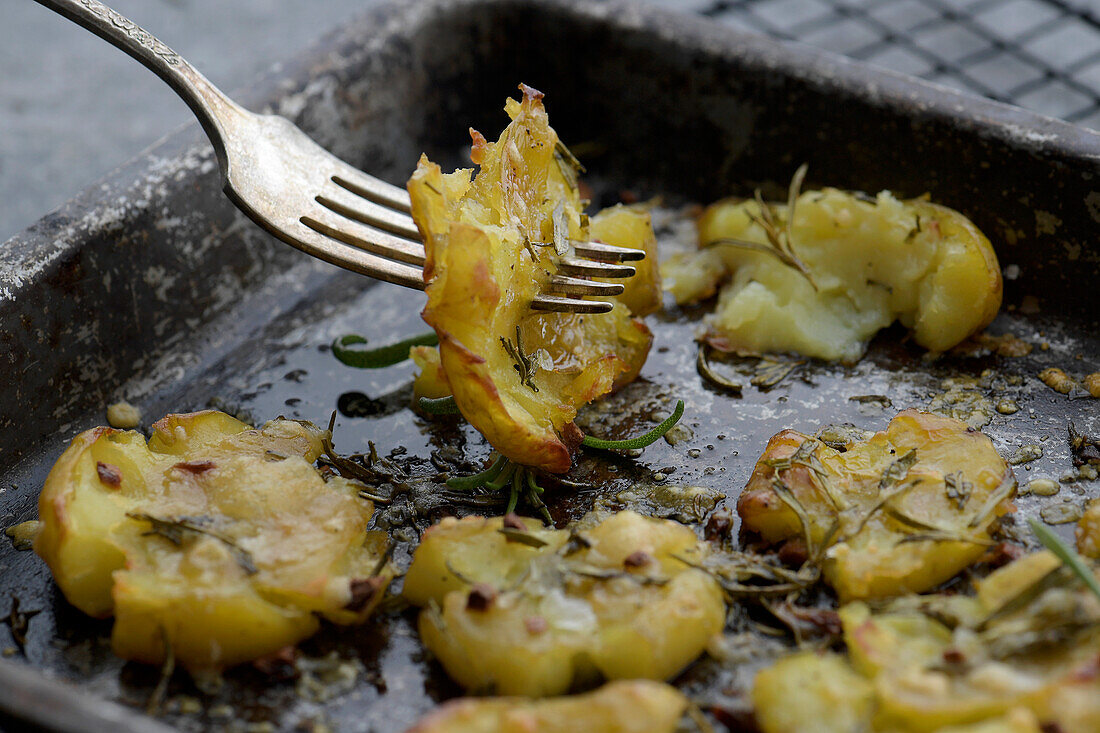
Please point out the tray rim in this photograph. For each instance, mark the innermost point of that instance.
(31, 696)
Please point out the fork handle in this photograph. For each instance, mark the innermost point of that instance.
(209, 104)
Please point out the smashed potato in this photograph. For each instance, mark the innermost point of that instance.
(1088, 531)
(492, 242)
(215, 540)
(516, 609)
(634, 706)
(1021, 655)
(871, 262)
(899, 513)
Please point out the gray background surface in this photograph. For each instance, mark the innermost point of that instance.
(72, 107)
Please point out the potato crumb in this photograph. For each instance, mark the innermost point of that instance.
(1092, 384)
(123, 415)
(1057, 380)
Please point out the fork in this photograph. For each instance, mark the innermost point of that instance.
(312, 200)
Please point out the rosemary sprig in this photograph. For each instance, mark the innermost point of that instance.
(1066, 554)
(642, 440)
(381, 356)
(780, 241)
(501, 473)
(523, 363)
(478, 479)
(439, 406)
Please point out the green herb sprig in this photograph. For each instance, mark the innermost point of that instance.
(521, 480)
(378, 357)
(642, 440)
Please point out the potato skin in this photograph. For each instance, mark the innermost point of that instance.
(871, 560)
(873, 262)
(252, 545)
(505, 616)
(486, 260)
(623, 706)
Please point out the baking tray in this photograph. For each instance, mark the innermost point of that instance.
(150, 286)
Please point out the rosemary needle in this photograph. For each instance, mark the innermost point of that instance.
(642, 440)
(1066, 554)
(382, 356)
(441, 406)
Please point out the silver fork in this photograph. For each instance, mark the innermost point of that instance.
(311, 199)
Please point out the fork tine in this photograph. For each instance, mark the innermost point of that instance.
(606, 252)
(346, 203)
(372, 188)
(338, 253)
(365, 237)
(588, 268)
(578, 286)
(570, 305)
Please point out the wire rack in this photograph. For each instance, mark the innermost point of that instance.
(1043, 55)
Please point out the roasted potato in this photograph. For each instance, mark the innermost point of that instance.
(515, 609)
(519, 375)
(871, 262)
(900, 513)
(811, 693)
(1088, 531)
(214, 539)
(634, 706)
(1025, 652)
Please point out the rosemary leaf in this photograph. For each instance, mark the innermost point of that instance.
(524, 538)
(177, 529)
(561, 230)
(642, 440)
(382, 356)
(478, 479)
(702, 365)
(1066, 554)
(440, 406)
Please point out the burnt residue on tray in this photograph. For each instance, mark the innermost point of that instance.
(151, 287)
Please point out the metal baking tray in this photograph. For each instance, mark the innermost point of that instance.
(152, 287)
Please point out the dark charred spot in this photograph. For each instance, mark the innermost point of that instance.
(512, 521)
(793, 552)
(536, 625)
(481, 597)
(953, 656)
(1051, 727)
(363, 591)
(637, 559)
(195, 467)
(1002, 554)
(279, 666)
(719, 527)
(108, 474)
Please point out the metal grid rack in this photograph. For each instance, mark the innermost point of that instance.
(1043, 55)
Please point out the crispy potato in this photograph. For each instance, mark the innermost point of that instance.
(873, 262)
(888, 529)
(1026, 652)
(216, 539)
(430, 381)
(539, 612)
(489, 245)
(1088, 531)
(634, 706)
